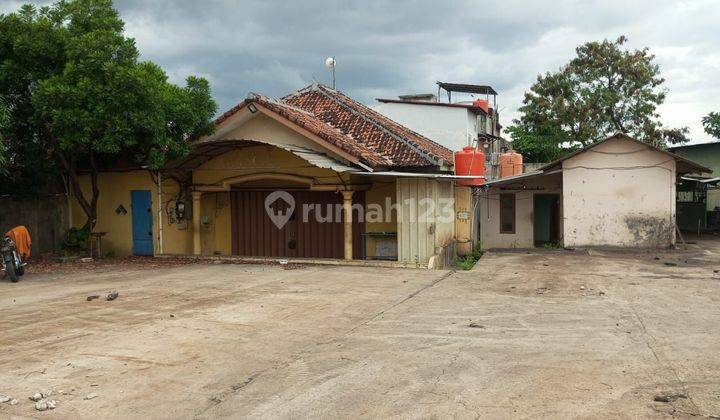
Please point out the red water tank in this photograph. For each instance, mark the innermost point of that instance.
(511, 163)
(470, 161)
(482, 103)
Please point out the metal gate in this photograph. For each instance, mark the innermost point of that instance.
(295, 230)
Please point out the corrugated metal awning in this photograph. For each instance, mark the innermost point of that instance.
(701, 180)
(318, 159)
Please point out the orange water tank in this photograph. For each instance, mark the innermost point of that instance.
(482, 103)
(470, 161)
(511, 163)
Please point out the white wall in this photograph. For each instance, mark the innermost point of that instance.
(490, 236)
(449, 126)
(619, 193)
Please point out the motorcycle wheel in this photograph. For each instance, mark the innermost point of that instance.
(10, 270)
(19, 268)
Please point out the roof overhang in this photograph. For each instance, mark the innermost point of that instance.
(419, 175)
(684, 166)
(317, 159)
(467, 88)
(208, 150)
(701, 180)
(471, 108)
(242, 113)
(522, 177)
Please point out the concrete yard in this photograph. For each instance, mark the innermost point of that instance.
(551, 334)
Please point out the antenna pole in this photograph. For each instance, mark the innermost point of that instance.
(333, 71)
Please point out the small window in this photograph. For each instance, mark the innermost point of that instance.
(507, 213)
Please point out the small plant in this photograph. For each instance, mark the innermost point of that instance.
(467, 262)
(77, 239)
(477, 252)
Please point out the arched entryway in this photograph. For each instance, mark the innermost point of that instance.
(291, 222)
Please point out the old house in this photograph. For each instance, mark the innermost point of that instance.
(618, 192)
(314, 175)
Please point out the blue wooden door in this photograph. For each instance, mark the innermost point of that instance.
(142, 222)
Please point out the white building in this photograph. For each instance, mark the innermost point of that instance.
(454, 125)
(618, 192)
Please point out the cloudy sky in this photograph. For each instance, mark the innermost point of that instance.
(387, 48)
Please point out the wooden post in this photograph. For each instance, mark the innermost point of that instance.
(196, 195)
(347, 211)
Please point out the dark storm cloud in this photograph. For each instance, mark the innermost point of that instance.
(386, 48)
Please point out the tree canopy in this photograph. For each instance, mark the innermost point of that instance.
(3, 121)
(604, 89)
(711, 123)
(77, 92)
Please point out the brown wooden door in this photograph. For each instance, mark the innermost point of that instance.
(306, 233)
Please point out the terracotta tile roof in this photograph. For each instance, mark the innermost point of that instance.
(402, 146)
(354, 128)
(311, 123)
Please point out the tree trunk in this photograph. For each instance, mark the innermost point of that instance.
(70, 166)
(92, 219)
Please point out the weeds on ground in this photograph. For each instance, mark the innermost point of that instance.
(467, 262)
(76, 241)
(552, 245)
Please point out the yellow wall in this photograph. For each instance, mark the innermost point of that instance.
(115, 188)
(259, 159)
(381, 192)
(259, 127)
(216, 235)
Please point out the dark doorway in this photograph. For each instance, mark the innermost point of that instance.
(546, 219)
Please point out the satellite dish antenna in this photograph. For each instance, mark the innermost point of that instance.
(331, 63)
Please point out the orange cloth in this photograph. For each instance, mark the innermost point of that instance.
(21, 237)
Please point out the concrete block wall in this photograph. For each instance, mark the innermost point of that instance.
(47, 219)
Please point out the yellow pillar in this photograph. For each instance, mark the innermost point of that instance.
(347, 210)
(463, 220)
(196, 195)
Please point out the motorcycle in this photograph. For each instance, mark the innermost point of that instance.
(12, 264)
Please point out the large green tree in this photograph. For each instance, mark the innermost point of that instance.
(605, 89)
(4, 118)
(711, 123)
(77, 92)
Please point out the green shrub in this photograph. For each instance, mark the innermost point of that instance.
(467, 262)
(77, 239)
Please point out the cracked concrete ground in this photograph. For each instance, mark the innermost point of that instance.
(554, 334)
